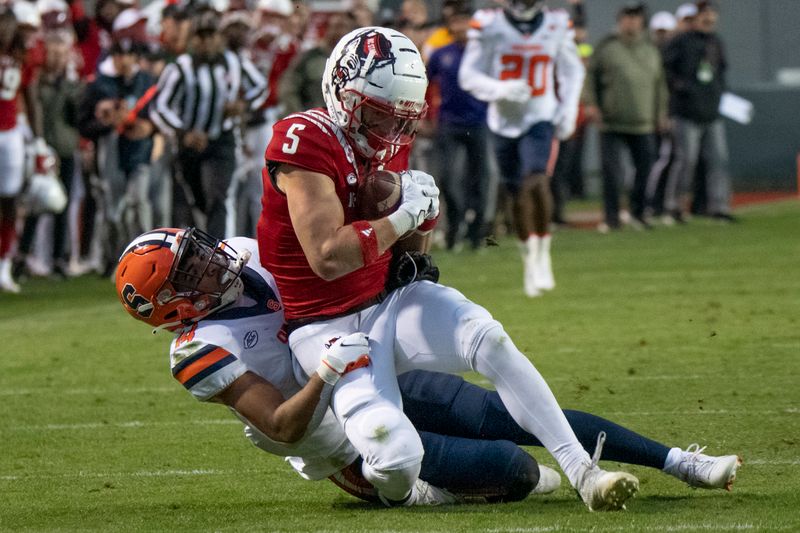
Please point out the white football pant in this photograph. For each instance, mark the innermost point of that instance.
(429, 327)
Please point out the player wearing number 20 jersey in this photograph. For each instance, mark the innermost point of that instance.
(501, 49)
(524, 62)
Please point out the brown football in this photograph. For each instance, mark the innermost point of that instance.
(379, 194)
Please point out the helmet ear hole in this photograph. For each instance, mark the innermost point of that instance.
(172, 314)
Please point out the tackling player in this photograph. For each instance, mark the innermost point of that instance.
(510, 62)
(229, 348)
(331, 269)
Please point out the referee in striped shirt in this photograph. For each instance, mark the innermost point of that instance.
(201, 98)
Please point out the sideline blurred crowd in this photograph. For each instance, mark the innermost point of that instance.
(160, 115)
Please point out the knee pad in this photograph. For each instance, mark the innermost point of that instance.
(390, 447)
(483, 337)
(388, 441)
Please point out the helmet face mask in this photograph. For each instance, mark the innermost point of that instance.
(170, 277)
(525, 10)
(383, 127)
(374, 87)
(203, 265)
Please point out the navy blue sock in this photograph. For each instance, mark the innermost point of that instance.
(448, 405)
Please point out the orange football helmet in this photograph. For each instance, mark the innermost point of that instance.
(173, 277)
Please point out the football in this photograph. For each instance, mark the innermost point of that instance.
(379, 194)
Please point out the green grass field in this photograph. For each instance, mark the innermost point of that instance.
(687, 334)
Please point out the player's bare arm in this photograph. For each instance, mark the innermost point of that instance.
(282, 420)
(333, 249)
(267, 410)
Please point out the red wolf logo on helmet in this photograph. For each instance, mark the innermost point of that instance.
(363, 54)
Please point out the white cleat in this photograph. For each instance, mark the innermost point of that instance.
(605, 491)
(426, 494)
(706, 471)
(549, 481)
(530, 281)
(7, 283)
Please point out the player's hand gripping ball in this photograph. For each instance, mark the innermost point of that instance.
(379, 195)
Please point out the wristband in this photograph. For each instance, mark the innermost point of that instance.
(368, 241)
(428, 224)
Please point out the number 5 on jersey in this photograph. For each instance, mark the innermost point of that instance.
(536, 66)
(290, 146)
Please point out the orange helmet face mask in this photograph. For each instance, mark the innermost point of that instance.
(169, 277)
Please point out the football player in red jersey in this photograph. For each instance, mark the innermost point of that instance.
(331, 269)
(16, 77)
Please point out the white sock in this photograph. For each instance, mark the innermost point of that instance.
(534, 244)
(5, 268)
(673, 459)
(529, 399)
(544, 244)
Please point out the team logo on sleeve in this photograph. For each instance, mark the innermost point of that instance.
(367, 46)
(250, 339)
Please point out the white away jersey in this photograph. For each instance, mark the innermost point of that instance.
(497, 51)
(207, 357)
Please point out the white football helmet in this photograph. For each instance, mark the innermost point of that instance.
(525, 10)
(374, 88)
(44, 193)
(26, 14)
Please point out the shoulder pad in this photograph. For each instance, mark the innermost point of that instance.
(558, 17)
(483, 18)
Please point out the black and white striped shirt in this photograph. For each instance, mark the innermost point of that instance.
(193, 96)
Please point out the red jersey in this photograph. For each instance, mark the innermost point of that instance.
(12, 78)
(312, 141)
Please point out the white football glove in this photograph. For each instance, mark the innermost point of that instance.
(420, 200)
(344, 355)
(429, 184)
(517, 91)
(564, 122)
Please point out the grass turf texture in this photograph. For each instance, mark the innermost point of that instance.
(684, 334)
